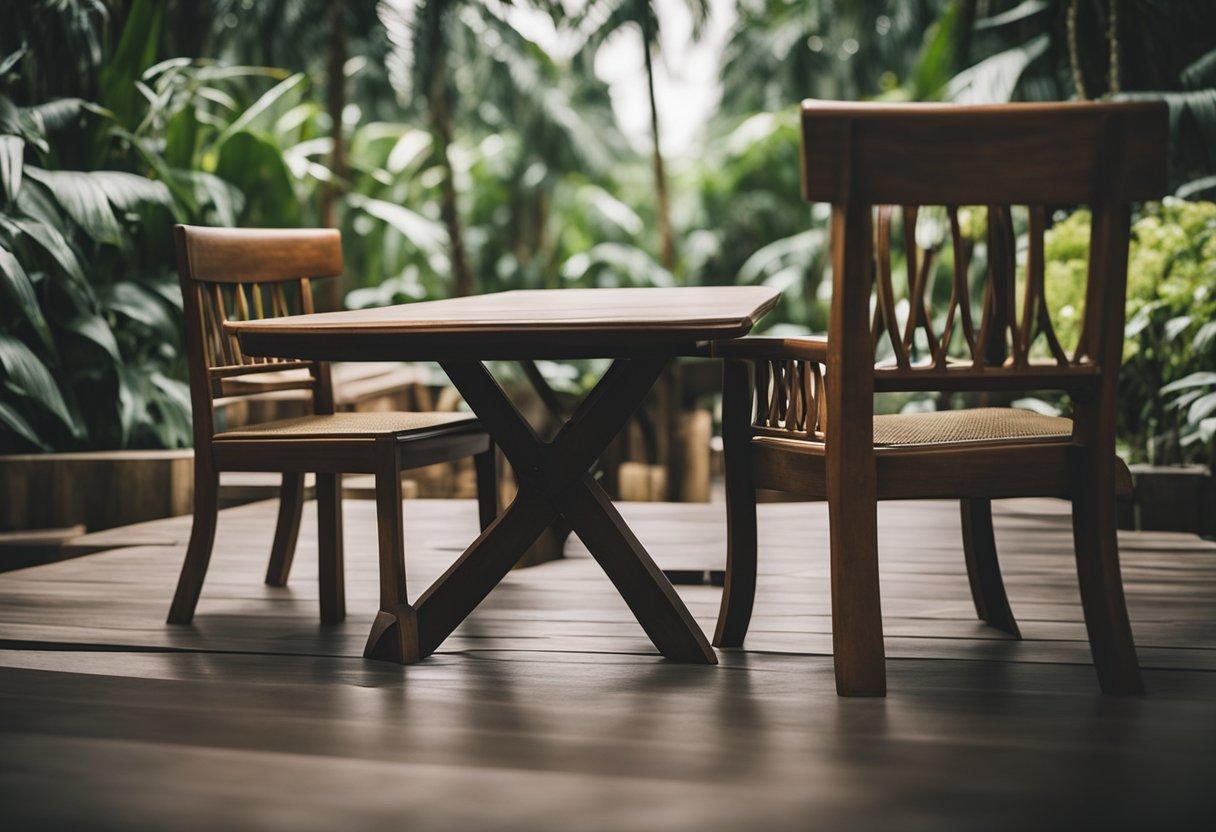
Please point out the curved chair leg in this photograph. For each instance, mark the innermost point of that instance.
(486, 466)
(329, 548)
(739, 590)
(983, 569)
(198, 551)
(287, 530)
(1097, 549)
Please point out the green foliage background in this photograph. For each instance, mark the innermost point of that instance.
(121, 117)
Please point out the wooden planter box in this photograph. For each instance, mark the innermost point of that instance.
(97, 490)
(1177, 498)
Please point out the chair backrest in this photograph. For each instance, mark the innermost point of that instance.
(877, 163)
(247, 274)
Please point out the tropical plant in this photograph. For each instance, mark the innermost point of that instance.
(1042, 50)
(1170, 343)
(90, 347)
(600, 19)
(782, 51)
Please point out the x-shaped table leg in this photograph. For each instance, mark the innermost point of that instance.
(553, 480)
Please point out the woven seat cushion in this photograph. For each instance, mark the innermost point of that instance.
(976, 425)
(350, 425)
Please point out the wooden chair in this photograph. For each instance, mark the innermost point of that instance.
(814, 432)
(242, 274)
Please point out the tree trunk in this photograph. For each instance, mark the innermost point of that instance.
(335, 103)
(441, 129)
(667, 250)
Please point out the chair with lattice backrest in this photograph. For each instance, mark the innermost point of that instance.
(243, 274)
(798, 413)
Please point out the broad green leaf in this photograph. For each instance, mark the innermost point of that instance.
(58, 113)
(218, 72)
(132, 401)
(94, 328)
(615, 264)
(18, 122)
(1200, 72)
(16, 422)
(1201, 408)
(18, 285)
(12, 149)
(208, 190)
(1192, 189)
(184, 198)
(139, 304)
(409, 152)
(425, 234)
(1176, 326)
(256, 167)
(136, 51)
(10, 61)
(1204, 337)
(254, 116)
(172, 401)
(181, 139)
(84, 200)
(166, 65)
(1207, 429)
(1023, 10)
(1193, 380)
(37, 202)
(25, 373)
(127, 191)
(53, 243)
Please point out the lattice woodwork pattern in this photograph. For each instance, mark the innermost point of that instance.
(222, 302)
(1004, 337)
(938, 341)
(790, 399)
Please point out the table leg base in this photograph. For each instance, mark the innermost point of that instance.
(394, 636)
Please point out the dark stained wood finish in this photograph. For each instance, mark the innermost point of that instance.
(983, 568)
(271, 255)
(245, 274)
(287, 528)
(850, 470)
(547, 709)
(858, 157)
(520, 325)
(739, 588)
(641, 328)
(912, 154)
(553, 479)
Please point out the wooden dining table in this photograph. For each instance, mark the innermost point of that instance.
(640, 329)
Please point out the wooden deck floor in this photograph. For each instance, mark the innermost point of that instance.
(549, 710)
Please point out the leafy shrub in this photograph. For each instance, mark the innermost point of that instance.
(1171, 323)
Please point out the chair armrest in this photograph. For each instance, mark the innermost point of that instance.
(805, 348)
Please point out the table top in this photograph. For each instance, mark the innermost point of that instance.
(530, 323)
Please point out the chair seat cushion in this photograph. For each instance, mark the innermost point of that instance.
(351, 425)
(981, 424)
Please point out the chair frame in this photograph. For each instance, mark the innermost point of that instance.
(251, 271)
(812, 433)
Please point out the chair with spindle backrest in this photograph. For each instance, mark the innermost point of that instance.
(814, 431)
(242, 274)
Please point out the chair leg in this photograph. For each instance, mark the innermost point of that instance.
(1097, 551)
(394, 634)
(329, 547)
(983, 569)
(857, 642)
(198, 551)
(287, 530)
(486, 466)
(739, 590)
